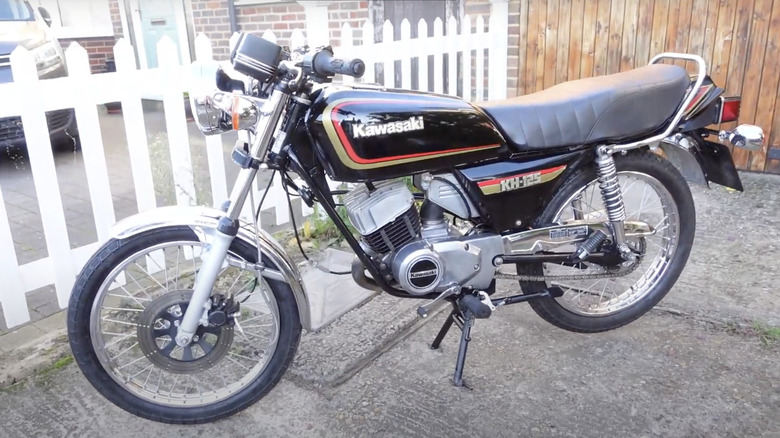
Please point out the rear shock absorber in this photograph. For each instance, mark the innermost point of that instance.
(612, 196)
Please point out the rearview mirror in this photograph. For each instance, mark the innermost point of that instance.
(45, 15)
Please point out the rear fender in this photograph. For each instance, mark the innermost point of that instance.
(204, 222)
(701, 161)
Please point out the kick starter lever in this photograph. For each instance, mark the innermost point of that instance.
(426, 308)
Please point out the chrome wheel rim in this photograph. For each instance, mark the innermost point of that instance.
(646, 200)
(170, 268)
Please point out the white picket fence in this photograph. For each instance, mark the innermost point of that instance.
(30, 98)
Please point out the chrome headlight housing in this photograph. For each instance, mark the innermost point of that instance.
(220, 112)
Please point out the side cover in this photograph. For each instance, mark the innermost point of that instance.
(365, 134)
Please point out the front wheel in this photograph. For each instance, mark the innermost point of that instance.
(127, 304)
(655, 193)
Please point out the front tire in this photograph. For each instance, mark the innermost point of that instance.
(627, 303)
(125, 354)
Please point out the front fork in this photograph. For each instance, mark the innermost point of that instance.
(217, 249)
(612, 197)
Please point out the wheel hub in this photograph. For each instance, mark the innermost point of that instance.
(157, 327)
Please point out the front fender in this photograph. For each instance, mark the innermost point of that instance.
(201, 219)
(702, 161)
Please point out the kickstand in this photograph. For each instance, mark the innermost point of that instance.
(465, 322)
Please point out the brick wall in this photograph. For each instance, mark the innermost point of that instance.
(482, 7)
(116, 19)
(211, 18)
(98, 48)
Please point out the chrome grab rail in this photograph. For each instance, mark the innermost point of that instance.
(699, 80)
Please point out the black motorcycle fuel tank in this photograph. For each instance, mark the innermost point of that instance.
(363, 133)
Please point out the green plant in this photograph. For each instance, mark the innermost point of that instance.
(767, 334)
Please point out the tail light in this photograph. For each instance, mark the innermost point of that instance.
(729, 109)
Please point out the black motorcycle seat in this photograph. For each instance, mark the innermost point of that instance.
(599, 109)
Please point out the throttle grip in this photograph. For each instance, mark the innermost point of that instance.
(325, 64)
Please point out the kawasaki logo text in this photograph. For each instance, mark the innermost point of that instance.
(412, 124)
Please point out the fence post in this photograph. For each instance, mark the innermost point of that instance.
(135, 127)
(216, 160)
(389, 52)
(499, 35)
(422, 60)
(438, 60)
(317, 21)
(452, 56)
(36, 133)
(346, 43)
(480, 68)
(12, 293)
(368, 54)
(406, 50)
(175, 122)
(91, 142)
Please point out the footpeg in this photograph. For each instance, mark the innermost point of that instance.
(477, 308)
(589, 246)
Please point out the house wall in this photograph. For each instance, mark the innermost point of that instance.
(211, 18)
(98, 48)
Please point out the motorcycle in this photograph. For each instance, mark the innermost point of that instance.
(189, 315)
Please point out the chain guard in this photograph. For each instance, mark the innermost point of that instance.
(519, 277)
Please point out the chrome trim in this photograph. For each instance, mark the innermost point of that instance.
(533, 241)
(680, 112)
(748, 137)
(204, 220)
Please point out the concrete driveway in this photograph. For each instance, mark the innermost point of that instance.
(693, 367)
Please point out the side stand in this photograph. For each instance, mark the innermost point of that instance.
(465, 322)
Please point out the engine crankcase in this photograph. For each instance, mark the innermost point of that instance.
(422, 267)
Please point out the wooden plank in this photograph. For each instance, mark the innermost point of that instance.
(347, 42)
(388, 52)
(480, 61)
(368, 43)
(576, 45)
(422, 62)
(406, 51)
(532, 47)
(723, 36)
(551, 43)
(753, 69)
(713, 9)
(438, 59)
(176, 123)
(452, 57)
(564, 27)
(683, 30)
(465, 57)
(767, 115)
(522, 44)
(589, 23)
(541, 39)
(615, 36)
(91, 143)
(736, 72)
(216, 159)
(698, 27)
(630, 30)
(602, 38)
(12, 295)
(658, 34)
(644, 31)
(44, 174)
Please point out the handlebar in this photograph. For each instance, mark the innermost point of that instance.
(325, 64)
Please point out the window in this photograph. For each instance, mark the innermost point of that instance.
(15, 10)
(78, 19)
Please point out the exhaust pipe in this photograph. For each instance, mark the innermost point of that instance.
(360, 277)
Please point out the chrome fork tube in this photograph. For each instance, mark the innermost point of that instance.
(612, 196)
(216, 251)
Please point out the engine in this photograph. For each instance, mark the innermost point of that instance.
(424, 255)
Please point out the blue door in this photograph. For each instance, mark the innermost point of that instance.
(158, 19)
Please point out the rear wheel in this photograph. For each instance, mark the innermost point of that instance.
(655, 193)
(123, 316)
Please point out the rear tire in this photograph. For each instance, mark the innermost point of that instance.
(91, 281)
(552, 310)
